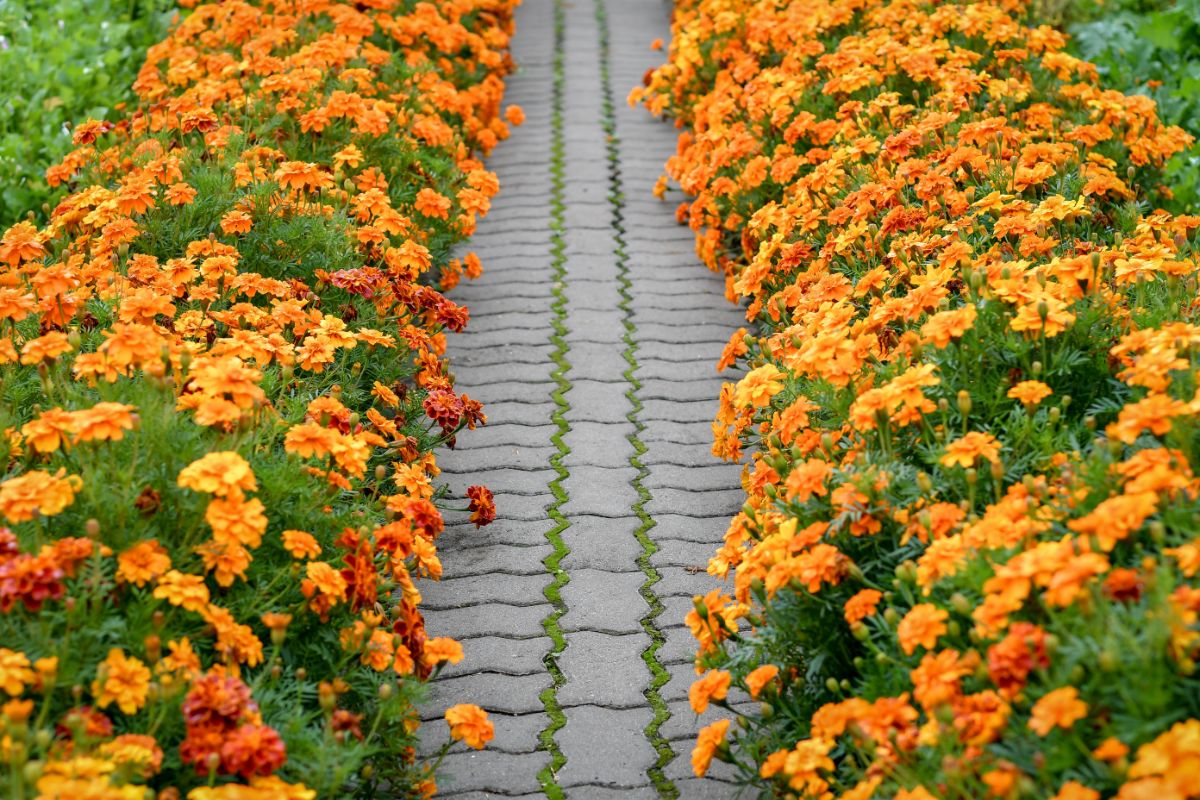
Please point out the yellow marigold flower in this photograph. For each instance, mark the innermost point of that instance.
(758, 387)
(15, 672)
(37, 492)
(123, 680)
(1061, 708)
(225, 474)
(469, 724)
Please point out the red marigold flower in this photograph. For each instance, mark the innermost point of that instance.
(482, 507)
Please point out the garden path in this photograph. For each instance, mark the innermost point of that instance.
(592, 341)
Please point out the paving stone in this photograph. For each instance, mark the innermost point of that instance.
(605, 747)
(497, 654)
(603, 543)
(495, 691)
(503, 773)
(600, 491)
(608, 602)
(514, 733)
(475, 460)
(494, 557)
(493, 619)
(460, 592)
(604, 670)
(710, 477)
(492, 595)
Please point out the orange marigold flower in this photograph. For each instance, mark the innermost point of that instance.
(183, 590)
(862, 605)
(470, 724)
(713, 686)
(104, 422)
(1030, 393)
(432, 204)
(21, 242)
(1111, 749)
(123, 680)
(143, 563)
(1060, 708)
(759, 677)
(922, 625)
(710, 739)
(968, 449)
(757, 388)
(225, 474)
(49, 430)
(37, 492)
(301, 544)
(1073, 790)
(441, 649)
(482, 506)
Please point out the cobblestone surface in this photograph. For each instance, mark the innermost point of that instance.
(645, 503)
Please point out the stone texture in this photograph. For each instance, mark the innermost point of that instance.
(492, 595)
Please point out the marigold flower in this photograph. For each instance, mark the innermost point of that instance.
(758, 387)
(971, 447)
(759, 677)
(922, 626)
(469, 724)
(123, 680)
(144, 562)
(224, 474)
(441, 649)
(37, 492)
(862, 605)
(713, 686)
(482, 506)
(710, 739)
(1029, 393)
(1060, 708)
(301, 544)
(15, 672)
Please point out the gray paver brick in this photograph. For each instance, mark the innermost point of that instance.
(604, 670)
(604, 601)
(603, 747)
(504, 359)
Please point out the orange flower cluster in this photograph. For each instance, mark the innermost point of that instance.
(223, 374)
(968, 563)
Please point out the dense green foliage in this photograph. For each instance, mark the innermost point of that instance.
(1151, 47)
(63, 61)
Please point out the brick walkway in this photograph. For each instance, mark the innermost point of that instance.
(592, 341)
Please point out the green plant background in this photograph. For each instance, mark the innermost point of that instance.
(63, 61)
(1148, 47)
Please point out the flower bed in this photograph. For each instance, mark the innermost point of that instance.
(222, 382)
(967, 565)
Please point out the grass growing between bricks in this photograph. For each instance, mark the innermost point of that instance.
(616, 197)
(562, 365)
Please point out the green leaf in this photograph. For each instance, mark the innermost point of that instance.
(1162, 31)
